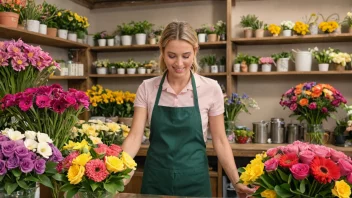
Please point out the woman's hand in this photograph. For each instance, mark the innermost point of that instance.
(243, 191)
(126, 181)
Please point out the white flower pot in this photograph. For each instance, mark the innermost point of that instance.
(141, 70)
(201, 37)
(214, 69)
(62, 33)
(90, 40)
(72, 37)
(302, 60)
(102, 70)
(141, 38)
(237, 67)
(266, 68)
(253, 67)
(43, 29)
(102, 42)
(117, 40)
(126, 40)
(80, 40)
(33, 25)
(313, 29)
(121, 70)
(111, 42)
(282, 64)
(149, 71)
(287, 33)
(131, 70)
(323, 67)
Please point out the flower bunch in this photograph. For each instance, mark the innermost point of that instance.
(322, 56)
(328, 26)
(274, 29)
(313, 18)
(94, 169)
(209, 28)
(301, 28)
(99, 132)
(236, 104)
(48, 15)
(266, 60)
(220, 27)
(47, 108)
(26, 159)
(101, 63)
(23, 66)
(348, 19)
(12, 5)
(340, 58)
(287, 25)
(301, 169)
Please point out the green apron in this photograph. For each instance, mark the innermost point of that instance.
(176, 162)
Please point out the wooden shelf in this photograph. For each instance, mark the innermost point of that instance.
(67, 78)
(121, 75)
(273, 73)
(139, 173)
(149, 47)
(37, 38)
(213, 74)
(321, 38)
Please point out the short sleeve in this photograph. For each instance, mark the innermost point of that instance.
(141, 96)
(217, 105)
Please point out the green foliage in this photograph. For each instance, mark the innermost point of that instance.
(252, 60)
(248, 21)
(125, 29)
(240, 58)
(142, 27)
(281, 55)
(49, 15)
(208, 60)
(32, 11)
(258, 25)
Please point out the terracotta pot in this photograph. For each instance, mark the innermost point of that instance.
(259, 33)
(339, 67)
(212, 37)
(248, 33)
(126, 121)
(52, 32)
(9, 19)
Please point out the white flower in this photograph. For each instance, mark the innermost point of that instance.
(15, 135)
(31, 144)
(349, 14)
(316, 49)
(44, 150)
(349, 112)
(95, 140)
(44, 138)
(6, 131)
(349, 123)
(30, 134)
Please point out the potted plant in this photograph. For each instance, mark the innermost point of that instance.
(112, 68)
(126, 30)
(149, 66)
(203, 62)
(274, 29)
(340, 59)
(323, 57)
(247, 23)
(312, 22)
(101, 38)
(101, 66)
(158, 33)
(49, 13)
(131, 66)
(348, 21)
(110, 40)
(240, 60)
(210, 60)
(339, 132)
(201, 33)
(330, 24)
(266, 63)
(152, 38)
(221, 30)
(258, 27)
(141, 69)
(32, 13)
(222, 66)
(63, 23)
(287, 27)
(253, 63)
(242, 136)
(211, 33)
(301, 28)
(127, 110)
(281, 60)
(140, 29)
(10, 13)
(121, 67)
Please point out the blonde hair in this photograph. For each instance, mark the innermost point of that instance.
(178, 31)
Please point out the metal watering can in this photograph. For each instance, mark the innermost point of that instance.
(302, 60)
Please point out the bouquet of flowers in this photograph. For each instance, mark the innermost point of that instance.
(287, 25)
(12, 5)
(301, 28)
(220, 27)
(328, 26)
(322, 56)
(47, 108)
(340, 58)
(25, 160)
(236, 104)
(314, 103)
(94, 170)
(101, 63)
(300, 170)
(274, 29)
(348, 19)
(99, 132)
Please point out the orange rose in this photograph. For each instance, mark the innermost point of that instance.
(303, 102)
(299, 86)
(298, 92)
(317, 89)
(308, 93)
(316, 95)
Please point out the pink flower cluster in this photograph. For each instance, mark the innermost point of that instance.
(266, 60)
(20, 55)
(52, 97)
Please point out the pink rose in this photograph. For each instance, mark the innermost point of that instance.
(345, 167)
(349, 178)
(321, 151)
(306, 157)
(290, 149)
(271, 164)
(272, 152)
(301, 145)
(336, 155)
(300, 171)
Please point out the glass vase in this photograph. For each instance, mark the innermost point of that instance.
(98, 194)
(230, 127)
(315, 134)
(23, 193)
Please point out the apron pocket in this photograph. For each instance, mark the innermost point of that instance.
(157, 182)
(194, 185)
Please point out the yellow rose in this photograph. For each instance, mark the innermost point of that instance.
(341, 189)
(82, 159)
(125, 134)
(268, 193)
(252, 171)
(75, 174)
(114, 164)
(59, 14)
(128, 161)
(69, 146)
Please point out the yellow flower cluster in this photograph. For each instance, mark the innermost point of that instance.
(301, 28)
(328, 26)
(341, 189)
(100, 95)
(253, 170)
(268, 193)
(79, 146)
(274, 29)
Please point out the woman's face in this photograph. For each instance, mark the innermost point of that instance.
(178, 57)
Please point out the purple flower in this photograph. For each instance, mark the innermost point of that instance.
(39, 166)
(31, 155)
(324, 110)
(312, 106)
(1, 156)
(19, 143)
(43, 101)
(2, 167)
(293, 107)
(3, 138)
(21, 151)
(244, 96)
(12, 162)
(8, 148)
(335, 103)
(26, 103)
(56, 156)
(4, 59)
(26, 165)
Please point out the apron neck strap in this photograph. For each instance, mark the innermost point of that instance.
(194, 87)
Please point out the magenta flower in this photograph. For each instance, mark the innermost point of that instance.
(44, 90)
(293, 107)
(4, 59)
(43, 101)
(8, 101)
(59, 106)
(26, 103)
(70, 99)
(312, 106)
(19, 63)
(324, 110)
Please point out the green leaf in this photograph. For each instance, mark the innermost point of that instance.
(325, 192)
(22, 184)
(67, 187)
(59, 177)
(296, 183)
(31, 178)
(1, 177)
(282, 191)
(72, 192)
(289, 179)
(283, 175)
(50, 167)
(43, 179)
(114, 186)
(241, 170)
(258, 191)
(16, 172)
(302, 187)
(268, 181)
(94, 186)
(10, 187)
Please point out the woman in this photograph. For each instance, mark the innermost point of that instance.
(179, 105)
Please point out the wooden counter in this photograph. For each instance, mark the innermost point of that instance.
(131, 195)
